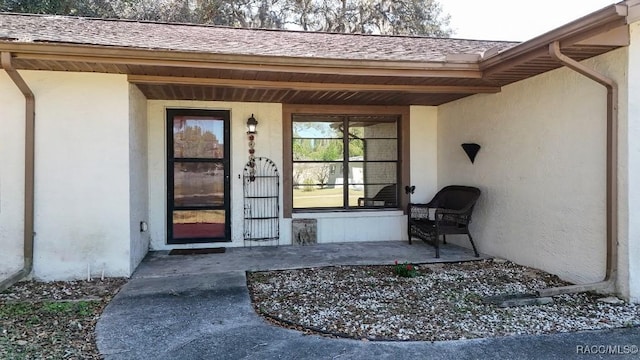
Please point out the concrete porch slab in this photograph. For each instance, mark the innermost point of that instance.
(160, 264)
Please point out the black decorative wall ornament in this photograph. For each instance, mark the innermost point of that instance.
(409, 189)
(471, 149)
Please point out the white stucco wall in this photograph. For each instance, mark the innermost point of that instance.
(11, 175)
(337, 227)
(541, 168)
(424, 152)
(82, 167)
(138, 190)
(629, 272)
(268, 144)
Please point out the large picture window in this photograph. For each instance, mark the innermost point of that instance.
(345, 162)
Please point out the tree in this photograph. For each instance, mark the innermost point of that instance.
(57, 7)
(322, 175)
(391, 17)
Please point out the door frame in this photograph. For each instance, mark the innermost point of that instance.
(170, 113)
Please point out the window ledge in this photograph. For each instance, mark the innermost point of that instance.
(346, 214)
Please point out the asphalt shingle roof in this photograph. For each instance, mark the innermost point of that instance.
(223, 40)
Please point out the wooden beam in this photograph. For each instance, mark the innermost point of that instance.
(287, 162)
(344, 109)
(305, 86)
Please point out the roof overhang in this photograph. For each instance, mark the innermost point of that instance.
(589, 36)
(162, 74)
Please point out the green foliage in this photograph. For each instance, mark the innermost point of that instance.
(66, 7)
(90, 8)
(82, 308)
(17, 309)
(473, 298)
(317, 149)
(31, 310)
(405, 270)
(356, 148)
(46, 329)
(393, 17)
(330, 151)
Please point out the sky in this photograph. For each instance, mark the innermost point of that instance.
(517, 20)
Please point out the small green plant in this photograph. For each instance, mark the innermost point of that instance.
(82, 308)
(405, 270)
(473, 298)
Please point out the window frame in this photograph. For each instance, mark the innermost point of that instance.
(403, 161)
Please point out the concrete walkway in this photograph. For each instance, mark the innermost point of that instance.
(198, 307)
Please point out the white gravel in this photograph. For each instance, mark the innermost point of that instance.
(444, 302)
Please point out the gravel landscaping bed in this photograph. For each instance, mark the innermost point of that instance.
(443, 302)
(53, 320)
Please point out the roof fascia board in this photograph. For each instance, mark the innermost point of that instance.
(634, 11)
(463, 58)
(127, 56)
(610, 35)
(307, 86)
(614, 14)
(522, 58)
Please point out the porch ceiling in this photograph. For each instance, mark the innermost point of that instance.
(190, 92)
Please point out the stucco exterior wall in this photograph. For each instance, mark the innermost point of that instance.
(629, 272)
(336, 227)
(11, 175)
(541, 168)
(268, 144)
(139, 189)
(82, 167)
(424, 152)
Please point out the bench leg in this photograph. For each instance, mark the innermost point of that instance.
(473, 245)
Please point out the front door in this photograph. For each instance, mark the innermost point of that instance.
(197, 176)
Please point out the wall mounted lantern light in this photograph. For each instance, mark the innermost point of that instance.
(252, 124)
